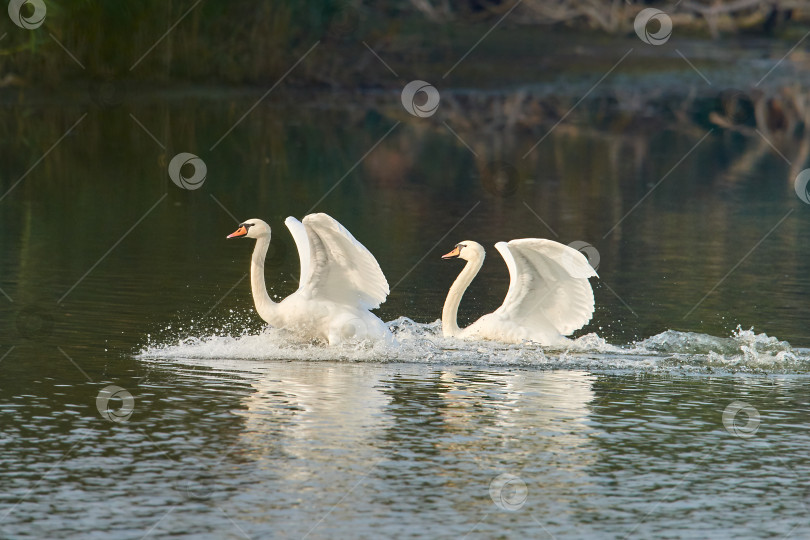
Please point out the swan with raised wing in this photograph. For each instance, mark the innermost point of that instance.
(549, 294)
(340, 282)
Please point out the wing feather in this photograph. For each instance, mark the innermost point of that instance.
(548, 284)
(341, 269)
(299, 234)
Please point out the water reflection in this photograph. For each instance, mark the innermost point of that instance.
(293, 405)
(337, 449)
(369, 443)
(494, 402)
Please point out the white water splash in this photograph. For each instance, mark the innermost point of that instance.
(744, 350)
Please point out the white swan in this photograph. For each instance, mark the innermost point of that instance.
(549, 293)
(340, 282)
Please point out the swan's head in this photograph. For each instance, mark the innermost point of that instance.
(466, 250)
(251, 228)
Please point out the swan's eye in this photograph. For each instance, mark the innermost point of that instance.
(461, 246)
(247, 225)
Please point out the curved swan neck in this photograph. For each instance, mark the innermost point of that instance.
(450, 311)
(264, 304)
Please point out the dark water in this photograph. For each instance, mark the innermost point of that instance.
(112, 275)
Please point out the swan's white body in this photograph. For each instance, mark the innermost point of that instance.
(549, 293)
(340, 282)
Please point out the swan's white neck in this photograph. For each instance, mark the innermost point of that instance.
(450, 311)
(267, 309)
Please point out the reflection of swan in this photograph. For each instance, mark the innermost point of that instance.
(549, 294)
(311, 411)
(517, 404)
(340, 282)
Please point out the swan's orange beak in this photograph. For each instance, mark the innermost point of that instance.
(241, 231)
(453, 254)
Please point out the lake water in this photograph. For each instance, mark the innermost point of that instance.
(680, 411)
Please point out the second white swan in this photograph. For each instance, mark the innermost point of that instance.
(549, 294)
(340, 282)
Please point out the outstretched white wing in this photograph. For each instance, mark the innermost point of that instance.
(548, 283)
(334, 265)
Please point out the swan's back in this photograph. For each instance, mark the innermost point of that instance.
(549, 289)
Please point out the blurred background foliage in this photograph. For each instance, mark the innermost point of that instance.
(250, 42)
(230, 42)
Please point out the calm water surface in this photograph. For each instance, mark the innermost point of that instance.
(111, 275)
